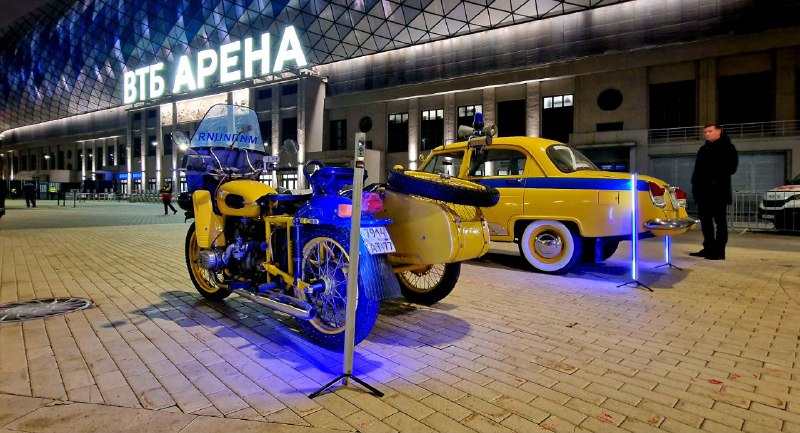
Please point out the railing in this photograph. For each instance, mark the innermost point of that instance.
(782, 128)
(744, 214)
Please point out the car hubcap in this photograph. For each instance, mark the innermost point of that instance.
(548, 245)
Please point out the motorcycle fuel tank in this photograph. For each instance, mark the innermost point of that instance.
(238, 197)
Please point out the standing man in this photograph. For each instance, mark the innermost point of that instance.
(716, 162)
(29, 191)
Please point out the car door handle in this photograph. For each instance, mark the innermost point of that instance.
(514, 181)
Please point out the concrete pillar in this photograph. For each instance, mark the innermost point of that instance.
(707, 91)
(489, 108)
(275, 134)
(413, 133)
(533, 121)
(450, 116)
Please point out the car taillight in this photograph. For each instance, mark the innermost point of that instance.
(657, 194)
(680, 195)
(371, 203)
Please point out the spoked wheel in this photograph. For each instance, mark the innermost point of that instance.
(208, 283)
(549, 246)
(447, 189)
(430, 285)
(325, 260)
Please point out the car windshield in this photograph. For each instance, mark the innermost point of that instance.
(569, 160)
(226, 125)
(444, 163)
(795, 181)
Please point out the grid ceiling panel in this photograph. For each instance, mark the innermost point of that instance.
(69, 57)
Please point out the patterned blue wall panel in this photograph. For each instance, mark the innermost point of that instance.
(69, 57)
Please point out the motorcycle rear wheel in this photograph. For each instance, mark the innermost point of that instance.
(208, 283)
(325, 259)
(431, 285)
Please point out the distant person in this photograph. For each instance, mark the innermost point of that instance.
(29, 192)
(166, 198)
(716, 162)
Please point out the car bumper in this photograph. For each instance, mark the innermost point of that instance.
(667, 227)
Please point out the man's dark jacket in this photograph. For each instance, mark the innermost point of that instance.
(715, 164)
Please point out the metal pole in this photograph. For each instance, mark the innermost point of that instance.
(352, 280)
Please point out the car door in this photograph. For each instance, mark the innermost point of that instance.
(501, 167)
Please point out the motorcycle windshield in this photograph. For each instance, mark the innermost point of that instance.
(226, 125)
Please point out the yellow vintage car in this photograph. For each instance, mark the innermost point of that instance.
(555, 203)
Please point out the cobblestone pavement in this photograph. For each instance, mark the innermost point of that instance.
(713, 348)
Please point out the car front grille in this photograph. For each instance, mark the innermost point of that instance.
(774, 203)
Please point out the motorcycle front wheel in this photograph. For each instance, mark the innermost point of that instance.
(431, 285)
(325, 260)
(208, 283)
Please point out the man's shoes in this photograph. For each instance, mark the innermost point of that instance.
(174, 211)
(715, 257)
(701, 253)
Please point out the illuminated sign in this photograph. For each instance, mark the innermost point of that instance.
(232, 62)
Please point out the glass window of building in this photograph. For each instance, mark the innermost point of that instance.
(60, 160)
(22, 163)
(152, 145)
(466, 115)
(266, 131)
(289, 89)
(398, 133)
(167, 140)
(32, 159)
(557, 117)
(151, 184)
(512, 116)
(122, 155)
(110, 155)
(289, 129)
(263, 99)
(137, 147)
(746, 98)
(431, 129)
(673, 105)
(338, 134)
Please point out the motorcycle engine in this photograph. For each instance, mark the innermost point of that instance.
(243, 253)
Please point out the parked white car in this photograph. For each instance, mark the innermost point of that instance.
(781, 205)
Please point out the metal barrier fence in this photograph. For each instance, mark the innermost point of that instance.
(745, 213)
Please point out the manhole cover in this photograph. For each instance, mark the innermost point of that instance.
(40, 308)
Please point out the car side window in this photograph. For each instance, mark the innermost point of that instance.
(445, 163)
(497, 162)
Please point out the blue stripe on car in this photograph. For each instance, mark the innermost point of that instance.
(564, 183)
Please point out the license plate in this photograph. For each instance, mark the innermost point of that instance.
(377, 240)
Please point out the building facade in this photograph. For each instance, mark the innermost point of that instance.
(92, 90)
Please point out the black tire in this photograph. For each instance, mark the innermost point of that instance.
(430, 286)
(451, 190)
(324, 257)
(208, 283)
(607, 249)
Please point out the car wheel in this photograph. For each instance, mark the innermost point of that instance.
(550, 246)
(446, 189)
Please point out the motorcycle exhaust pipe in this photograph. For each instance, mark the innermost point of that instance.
(278, 302)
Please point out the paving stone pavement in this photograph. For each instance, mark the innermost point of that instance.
(714, 347)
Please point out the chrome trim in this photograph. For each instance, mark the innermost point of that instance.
(677, 224)
(285, 304)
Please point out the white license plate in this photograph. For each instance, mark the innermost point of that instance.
(377, 240)
(768, 216)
